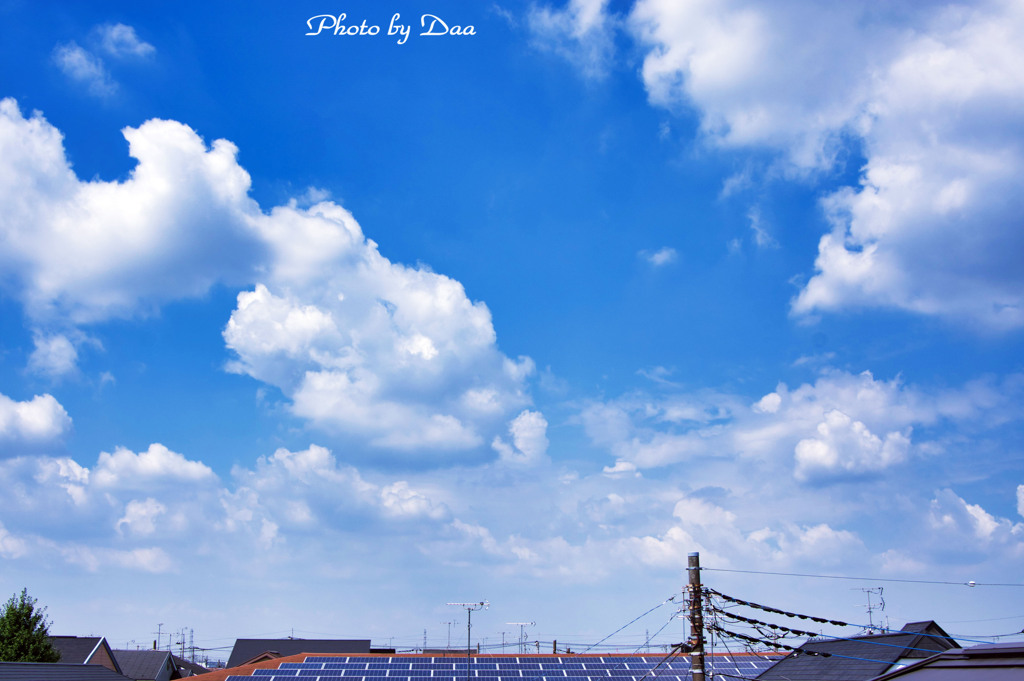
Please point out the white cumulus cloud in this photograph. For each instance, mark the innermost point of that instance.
(843, 445)
(90, 251)
(933, 96)
(37, 420)
(398, 356)
(157, 465)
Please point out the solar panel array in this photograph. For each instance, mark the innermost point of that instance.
(548, 668)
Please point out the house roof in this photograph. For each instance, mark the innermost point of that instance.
(248, 669)
(248, 648)
(528, 666)
(861, 657)
(988, 662)
(57, 671)
(142, 664)
(186, 668)
(76, 649)
(147, 664)
(85, 650)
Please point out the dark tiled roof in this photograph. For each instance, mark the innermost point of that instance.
(247, 648)
(988, 662)
(186, 668)
(861, 657)
(141, 664)
(56, 671)
(75, 649)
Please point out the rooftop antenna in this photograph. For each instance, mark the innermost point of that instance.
(522, 633)
(449, 623)
(470, 607)
(871, 607)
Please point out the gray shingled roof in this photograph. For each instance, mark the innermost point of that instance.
(861, 657)
(247, 648)
(56, 671)
(987, 662)
(141, 664)
(75, 649)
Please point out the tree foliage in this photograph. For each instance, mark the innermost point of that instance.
(24, 632)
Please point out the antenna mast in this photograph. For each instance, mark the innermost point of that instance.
(871, 607)
(522, 633)
(470, 607)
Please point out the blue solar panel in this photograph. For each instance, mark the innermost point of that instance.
(505, 668)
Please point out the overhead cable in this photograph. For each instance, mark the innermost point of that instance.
(862, 579)
(760, 641)
(766, 608)
(822, 620)
(734, 616)
(638, 617)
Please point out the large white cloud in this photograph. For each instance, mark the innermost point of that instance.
(934, 95)
(88, 251)
(398, 356)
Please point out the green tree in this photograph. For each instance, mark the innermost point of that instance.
(24, 632)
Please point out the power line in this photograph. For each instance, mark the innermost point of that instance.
(864, 579)
(667, 600)
(715, 608)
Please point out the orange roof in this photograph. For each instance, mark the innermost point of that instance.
(248, 669)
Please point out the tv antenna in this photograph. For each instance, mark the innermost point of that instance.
(522, 632)
(449, 623)
(872, 607)
(470, 608)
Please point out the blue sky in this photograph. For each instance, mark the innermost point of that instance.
(322, 332)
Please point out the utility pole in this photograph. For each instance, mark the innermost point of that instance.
(470, 607)
(696, 617)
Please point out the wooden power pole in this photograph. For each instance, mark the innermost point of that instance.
(696, 617)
